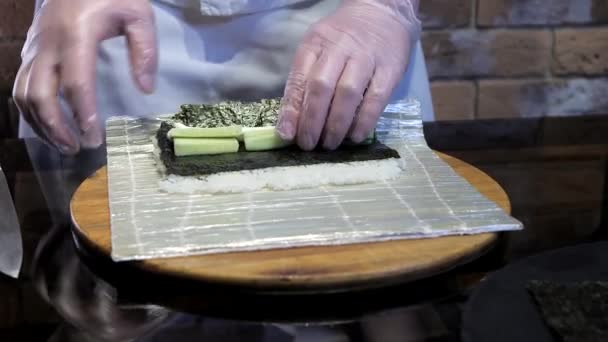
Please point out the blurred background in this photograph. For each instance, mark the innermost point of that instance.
(508, 60)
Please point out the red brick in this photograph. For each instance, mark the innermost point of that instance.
(15, 17)
(537, 98)
(445, 13)
(548, 12)
(471, 53)
(10, 59)
(453, 100)
(581, 51)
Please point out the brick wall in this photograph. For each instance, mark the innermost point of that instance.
(516, 58)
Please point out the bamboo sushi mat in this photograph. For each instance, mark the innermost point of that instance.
(428, 200)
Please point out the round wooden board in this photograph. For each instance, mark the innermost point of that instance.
(313, 268)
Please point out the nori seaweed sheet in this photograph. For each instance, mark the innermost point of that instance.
(575, 312)
(260, 113)
(244, 160)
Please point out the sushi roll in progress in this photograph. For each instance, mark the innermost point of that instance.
(234, 147)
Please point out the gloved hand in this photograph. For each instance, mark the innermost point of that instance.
(60, 55)
(348, 63)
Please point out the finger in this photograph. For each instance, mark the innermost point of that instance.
(143, 50)
(19, 92)
(320, 87)
(41, 96)
(19, 97)
(375, 100)
(349, 94)
(291, 106)
(77, 75)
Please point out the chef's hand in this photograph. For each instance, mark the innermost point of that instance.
(352, 59)
(60, 56)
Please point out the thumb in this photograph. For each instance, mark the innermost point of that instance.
(143, 51)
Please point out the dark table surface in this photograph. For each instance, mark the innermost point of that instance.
(553, 170)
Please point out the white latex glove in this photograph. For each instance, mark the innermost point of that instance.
(345, 70)
(60, 56)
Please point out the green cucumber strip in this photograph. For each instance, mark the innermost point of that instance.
(200, 132)
(198, 146)
(255, 130)
(348, 142)
(263, 139)
(371, 138)
(251, 130)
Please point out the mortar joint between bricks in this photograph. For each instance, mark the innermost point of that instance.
(542, 26)
(549, 71)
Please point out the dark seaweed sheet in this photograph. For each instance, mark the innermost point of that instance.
(264, 112)
(575, 312)
(243, 160)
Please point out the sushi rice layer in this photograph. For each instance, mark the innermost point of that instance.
(285, 178)
(281, 178)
